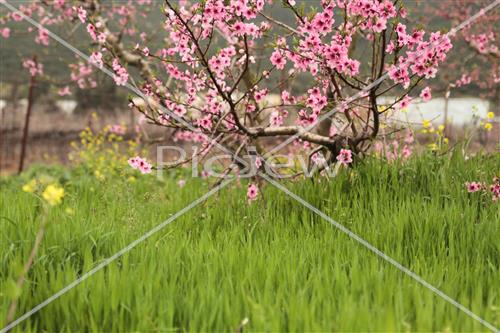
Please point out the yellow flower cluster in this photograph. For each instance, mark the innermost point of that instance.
(30, 186)
(52, 194)
(488, 126)
(104, 152)
(438, 135)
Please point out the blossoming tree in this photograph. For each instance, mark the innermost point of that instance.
(219, 61)
(475, 59)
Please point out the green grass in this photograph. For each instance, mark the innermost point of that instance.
(273, 262)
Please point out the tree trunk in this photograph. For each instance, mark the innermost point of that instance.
(27, 122)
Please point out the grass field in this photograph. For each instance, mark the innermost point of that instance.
(272, 261)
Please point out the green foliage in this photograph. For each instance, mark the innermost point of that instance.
(273, 261)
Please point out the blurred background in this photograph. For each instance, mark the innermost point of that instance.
(57, 117)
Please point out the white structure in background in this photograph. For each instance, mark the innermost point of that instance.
(3, 103)
(67, 106)
(462, 112)
(22, 103)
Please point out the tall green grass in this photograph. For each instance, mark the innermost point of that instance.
(273, 261)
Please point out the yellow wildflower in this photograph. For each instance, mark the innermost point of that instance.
(53, 195)
(433, 146)
(490, 115)
(488, 126)
(426, 123)
(30, 187)
(98, 174)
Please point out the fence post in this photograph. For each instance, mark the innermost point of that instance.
(27, 121)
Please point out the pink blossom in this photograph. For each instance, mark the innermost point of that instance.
(33, 67)
(101, 38)
(17, 16)
(409, 138)
(318, 159)
(464, 80)
(278, 60)
(43, 37)
(96, 59)
(82, 14)
(117, 129)
(258, 162)
(405, 102)
(92, 31)
(181, 183)
(5, 32)
(140, 164)
(426, 94)
(390, 47)
(205, 122)
(473, 187)
(252, 192)
(64, 91)
(406, 152)
(260, 94)
(495, 189)
(276, 119)
(345, 156)
(121, 74)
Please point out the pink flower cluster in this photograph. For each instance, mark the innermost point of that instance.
(422, 57)
(473, 187)
(494, 188)
(96, 59)
(81, 74)
(43, 37)
(484, 43)
(117, 129)
(277, 117)
(252, 192)
(33, 67)
(5, 32)
(81, 13)
(121, 74)
(399, 148)
(278, 60)
(140, 164)
(426, 94)
(345, 157)
(464, 80)
(405, 103)
(64, 91)
(221, 61)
